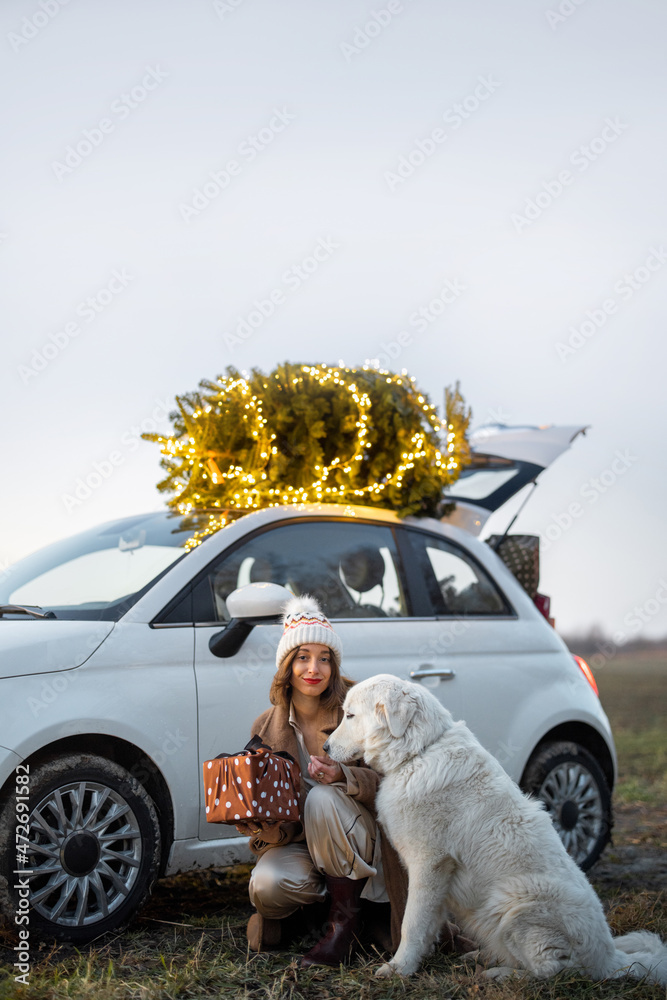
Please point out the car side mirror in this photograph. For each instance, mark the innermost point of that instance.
(255, 604)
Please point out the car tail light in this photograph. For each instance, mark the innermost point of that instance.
(586, 671)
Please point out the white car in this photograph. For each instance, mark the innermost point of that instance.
(125, 663)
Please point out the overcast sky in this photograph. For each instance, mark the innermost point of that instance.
(501, 166)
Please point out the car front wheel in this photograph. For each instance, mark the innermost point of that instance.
(93, 849)
(572, 785)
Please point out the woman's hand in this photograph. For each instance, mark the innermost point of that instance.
(324, 770)
(270, 832)
(253, 827)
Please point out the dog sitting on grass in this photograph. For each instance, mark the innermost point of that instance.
(477, 850)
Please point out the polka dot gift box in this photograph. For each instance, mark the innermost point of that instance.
(256, 783)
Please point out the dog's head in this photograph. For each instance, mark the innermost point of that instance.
(387, 720)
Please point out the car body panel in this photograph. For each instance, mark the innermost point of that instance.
(531, 702)
(139, 691)
(47, 645)
(524, 729)
(186, 855)
(538, 445)
(9, 761)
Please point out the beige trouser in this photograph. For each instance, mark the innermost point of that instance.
(340, 842)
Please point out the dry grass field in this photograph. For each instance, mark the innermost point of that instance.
(190, 941)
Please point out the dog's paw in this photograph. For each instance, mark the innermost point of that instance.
(394, 968)
(471, 957)
(503, 972)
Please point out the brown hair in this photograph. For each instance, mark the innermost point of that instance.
(332, 696)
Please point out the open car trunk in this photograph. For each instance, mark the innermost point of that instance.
(503, 460)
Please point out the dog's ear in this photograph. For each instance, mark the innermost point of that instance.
(395, 711)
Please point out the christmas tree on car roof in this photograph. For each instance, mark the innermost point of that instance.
(311, 432)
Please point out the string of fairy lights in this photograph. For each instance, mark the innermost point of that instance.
(243, 489)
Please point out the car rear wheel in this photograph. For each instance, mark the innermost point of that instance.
(572, 785)
(93, 848)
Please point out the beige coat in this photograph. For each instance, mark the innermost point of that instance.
(274, 729)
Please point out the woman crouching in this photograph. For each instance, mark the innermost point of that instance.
(335, 848)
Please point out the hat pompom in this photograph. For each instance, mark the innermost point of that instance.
(303, 604)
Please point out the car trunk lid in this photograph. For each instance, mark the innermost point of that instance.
(502, 461)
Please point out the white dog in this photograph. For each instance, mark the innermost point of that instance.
(476, 847)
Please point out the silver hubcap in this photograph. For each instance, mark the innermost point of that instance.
(85, 851)
(574, 803)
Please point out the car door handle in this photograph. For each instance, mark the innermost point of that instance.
(425, 671)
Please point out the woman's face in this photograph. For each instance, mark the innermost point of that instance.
(311, 669)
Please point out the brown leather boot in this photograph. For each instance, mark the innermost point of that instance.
(262, 933)
(343, 923)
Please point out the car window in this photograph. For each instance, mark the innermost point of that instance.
(352, 569)
(456, 583)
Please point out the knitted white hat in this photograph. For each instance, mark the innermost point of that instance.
(303, 622)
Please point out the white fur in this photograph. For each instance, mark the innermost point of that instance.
(301, 605)
(476, 848)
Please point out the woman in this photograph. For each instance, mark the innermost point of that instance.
(335, 847)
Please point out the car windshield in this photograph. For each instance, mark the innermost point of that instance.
(100, 573)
